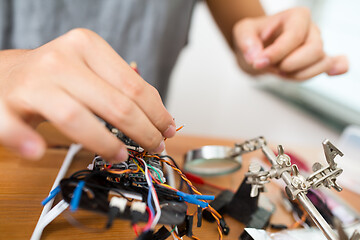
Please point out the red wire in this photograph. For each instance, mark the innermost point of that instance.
(198, 180)
(155, 180)
(134, 226)
(151, 218)
(107, 166)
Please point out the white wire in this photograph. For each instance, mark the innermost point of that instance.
(173, 235)
(46, 219)
(154, 196)
(91, 166)
(158, 209)
(73, 150)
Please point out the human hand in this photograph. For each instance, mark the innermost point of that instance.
(69, 80)
(288, 44)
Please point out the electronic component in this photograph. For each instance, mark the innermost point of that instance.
(119, 203)
(135, 190)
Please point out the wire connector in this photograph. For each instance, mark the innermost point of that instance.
(138, 207)
(120, 203)
(137, 210)
(195, 199)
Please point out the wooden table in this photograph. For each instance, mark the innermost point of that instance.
(24, 184)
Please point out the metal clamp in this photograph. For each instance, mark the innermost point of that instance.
(296, 184)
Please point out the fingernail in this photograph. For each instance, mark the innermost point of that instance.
(32, 149)
(261, 63)
(170, 131)
(334, 71)
(160, 148)
(121, 156)
(251, 54)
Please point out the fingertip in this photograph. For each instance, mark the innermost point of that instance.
(340, 66)
(33, 149)
(170, 131)
(251, 54)
(251, 47)
(121, 156)
(247, 39)
(159, 149)
(261, 62)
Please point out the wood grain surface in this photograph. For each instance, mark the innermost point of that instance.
(24, 184)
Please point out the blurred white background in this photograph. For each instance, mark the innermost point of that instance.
(213, 97)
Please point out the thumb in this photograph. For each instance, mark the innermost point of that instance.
(247, 39)
(339, 65)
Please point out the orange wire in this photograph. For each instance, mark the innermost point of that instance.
(152, 156)
(214, 213)
(168, 187)
(175, 234)
(135, 155)
(301, 221)
(179, 128)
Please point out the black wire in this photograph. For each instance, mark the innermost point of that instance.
(81, 172)
(169, 157)
(87, 174)
(166, 191)
(177, 166)
(109, 189)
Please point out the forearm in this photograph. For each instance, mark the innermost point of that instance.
(228, 12)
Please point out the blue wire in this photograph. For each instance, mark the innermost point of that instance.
(149, 197)
(195, 199)
(52, 194)
(75, 200)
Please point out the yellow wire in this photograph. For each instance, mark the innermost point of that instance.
(167, 186)
(139, 167)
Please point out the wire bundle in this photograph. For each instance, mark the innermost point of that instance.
(153, 183)
(197, 198)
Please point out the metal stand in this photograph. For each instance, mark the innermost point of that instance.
(296, 184)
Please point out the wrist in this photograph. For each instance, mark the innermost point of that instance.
(9, 57)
